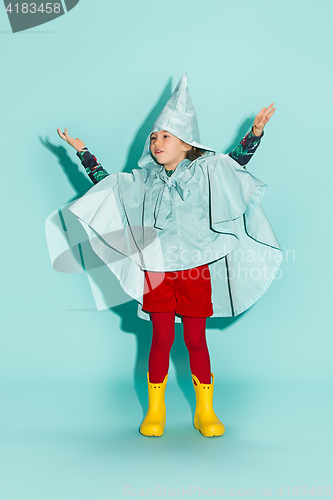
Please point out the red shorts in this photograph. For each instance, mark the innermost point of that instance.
(188, 293)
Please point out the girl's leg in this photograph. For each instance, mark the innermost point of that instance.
(195, 340)
(163, 337)
(205, 418)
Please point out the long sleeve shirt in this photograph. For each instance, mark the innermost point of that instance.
(242, 153)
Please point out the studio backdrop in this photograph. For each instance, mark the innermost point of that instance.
(74, 354)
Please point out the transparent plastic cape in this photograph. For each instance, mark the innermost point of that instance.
(114, 232)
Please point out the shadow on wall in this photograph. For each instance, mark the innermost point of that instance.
(241, 132)
(130, 323)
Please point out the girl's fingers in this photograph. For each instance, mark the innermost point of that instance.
(64, 135)
(269, 115)
(266, 110)
(264, 115)
(259, 116)
(68, 138)
(61, 134)
(270, 111)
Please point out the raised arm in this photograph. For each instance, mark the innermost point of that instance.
(249, 144)
(94, 169)
(244, 151)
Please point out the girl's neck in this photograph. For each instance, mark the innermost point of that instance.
(172, 168)
(169, 172)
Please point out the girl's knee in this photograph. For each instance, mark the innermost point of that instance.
(195, 342)
(163, 340)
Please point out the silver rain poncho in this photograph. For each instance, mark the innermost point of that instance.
(207, 212)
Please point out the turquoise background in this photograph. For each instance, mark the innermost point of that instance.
(73, 380)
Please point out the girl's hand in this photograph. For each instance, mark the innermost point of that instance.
(261, 119)
(75, 143)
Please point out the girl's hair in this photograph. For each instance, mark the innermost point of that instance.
(194, 153)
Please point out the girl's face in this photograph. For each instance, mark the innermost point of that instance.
(167, 149)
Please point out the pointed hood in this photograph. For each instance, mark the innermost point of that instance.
(177, 117)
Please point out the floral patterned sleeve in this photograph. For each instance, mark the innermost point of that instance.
(94, 169)
(246, 148)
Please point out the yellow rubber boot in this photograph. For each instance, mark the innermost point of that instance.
(154, 422)
(205, 418)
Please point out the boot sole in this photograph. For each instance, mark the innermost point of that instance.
(209, 435)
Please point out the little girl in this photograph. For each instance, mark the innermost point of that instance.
(196, 207)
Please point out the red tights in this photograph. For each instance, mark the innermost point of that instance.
(163, 337)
